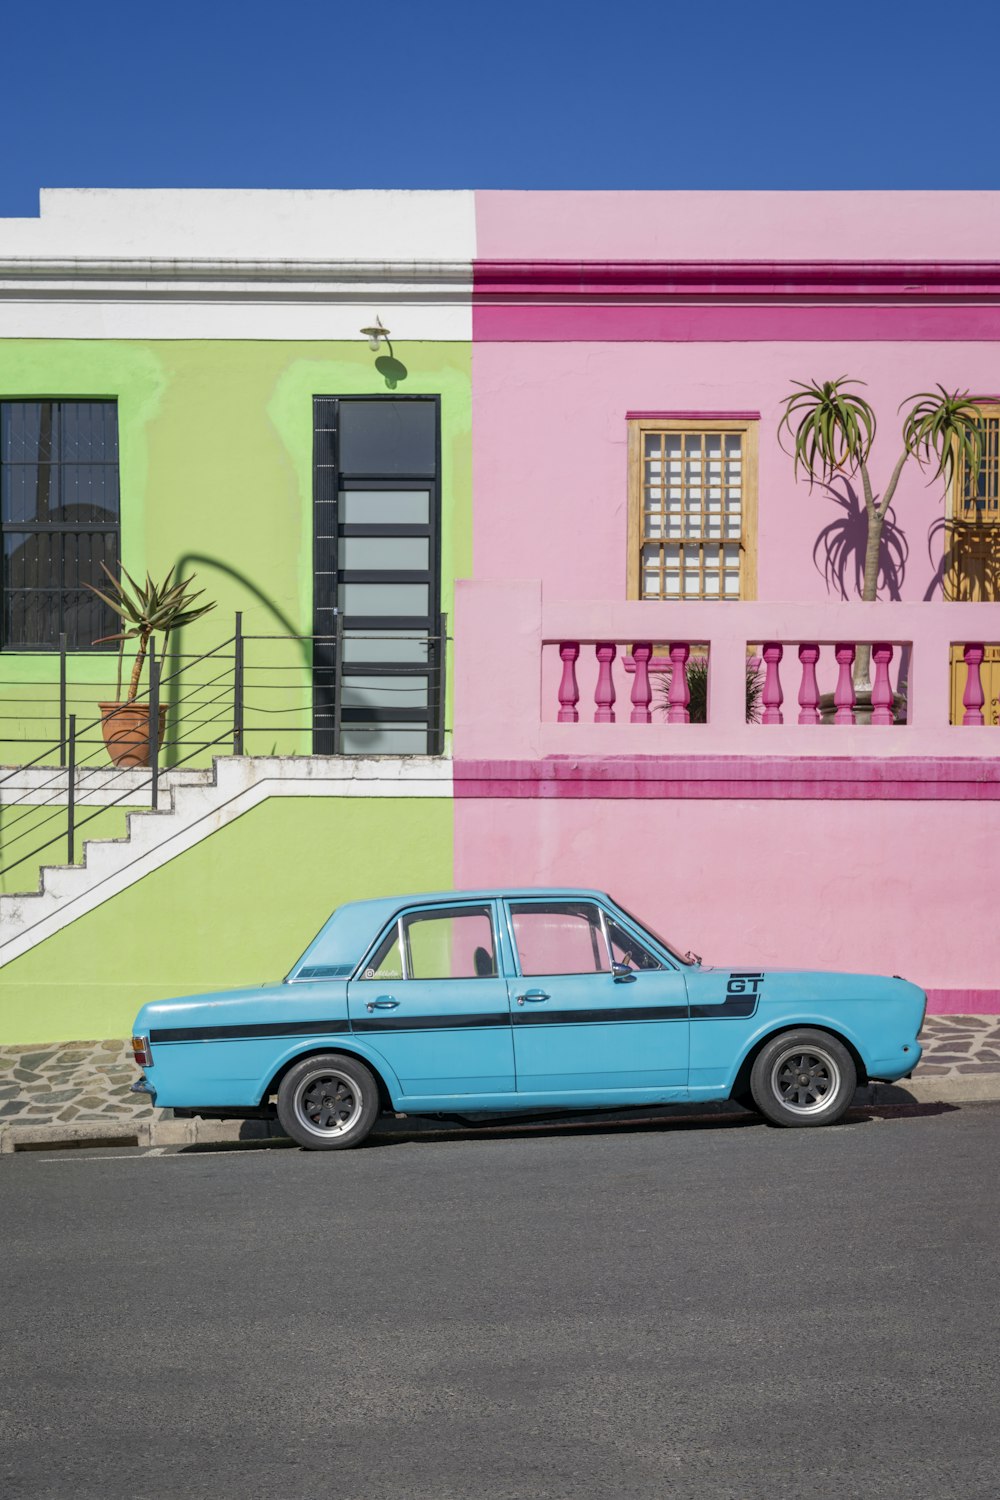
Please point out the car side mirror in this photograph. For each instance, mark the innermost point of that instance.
(622, 973)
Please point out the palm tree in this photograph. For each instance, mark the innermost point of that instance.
(832, 429)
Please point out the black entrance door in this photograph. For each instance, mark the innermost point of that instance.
(377, 509)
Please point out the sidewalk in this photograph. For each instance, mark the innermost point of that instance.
(78, 1091)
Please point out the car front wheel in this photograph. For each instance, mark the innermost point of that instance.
(803, 1078)
(328, 1103)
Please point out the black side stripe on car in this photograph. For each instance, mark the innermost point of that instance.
(542, 1017)
(245, 1032)
(727, 1010)
(447, 1022)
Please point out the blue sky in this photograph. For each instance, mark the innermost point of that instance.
(433, 93)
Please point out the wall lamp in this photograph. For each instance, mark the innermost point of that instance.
(375, 333)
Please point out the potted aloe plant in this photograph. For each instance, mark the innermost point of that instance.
(150, 609)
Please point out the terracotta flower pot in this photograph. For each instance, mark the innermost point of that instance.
(126, 732)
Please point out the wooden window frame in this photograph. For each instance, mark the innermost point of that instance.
(959, 528)
(638, 427)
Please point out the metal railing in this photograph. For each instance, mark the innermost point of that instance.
(250, 694)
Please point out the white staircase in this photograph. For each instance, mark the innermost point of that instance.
(192, 805)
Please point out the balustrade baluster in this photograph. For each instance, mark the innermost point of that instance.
(604, 697)
(569, 691)
(679, 694)
(881, 687)
(641, 691)
(844, 694)
(772, 697)
(809, 687)
(973, 698)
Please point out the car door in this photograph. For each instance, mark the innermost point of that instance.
(582, 1028)
(431, 1000)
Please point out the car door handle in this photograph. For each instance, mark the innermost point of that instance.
(532, 996)
(384, 1002)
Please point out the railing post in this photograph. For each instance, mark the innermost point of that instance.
(604, 696)
(809, 687)
(338, 664)
(843, 695)
(71, 792)
(440, 685)
(678, 694)
(569, 691)
(772, 697)
(154, 727)
(62, 697)
(641, 691)
(882, 688)
(973, 698)
(238, 684)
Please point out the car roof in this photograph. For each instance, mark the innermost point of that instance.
(346, 936)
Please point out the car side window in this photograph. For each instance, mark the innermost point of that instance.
(453, 944)
(625, 949)
(445, 943)
(559, 937)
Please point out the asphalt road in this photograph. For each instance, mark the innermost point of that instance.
(706, 1309)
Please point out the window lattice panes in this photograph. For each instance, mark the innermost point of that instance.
(689, 521)
(978, 498)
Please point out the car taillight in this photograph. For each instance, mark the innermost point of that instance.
(141, 1051)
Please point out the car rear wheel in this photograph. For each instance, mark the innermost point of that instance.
(803, 1078)
(328, 1103)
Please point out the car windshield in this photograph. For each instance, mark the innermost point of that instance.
(690, 959)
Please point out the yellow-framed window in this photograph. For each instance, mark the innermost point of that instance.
(692, 512)
(972, 550)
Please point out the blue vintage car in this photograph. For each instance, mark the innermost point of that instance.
(475, 1002)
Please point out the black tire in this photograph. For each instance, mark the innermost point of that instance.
(328, 1103)
(803, 1078)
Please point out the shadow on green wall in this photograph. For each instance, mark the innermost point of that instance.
(178, 688)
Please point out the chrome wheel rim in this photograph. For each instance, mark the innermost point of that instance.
(327, 1104)
(805, 1080)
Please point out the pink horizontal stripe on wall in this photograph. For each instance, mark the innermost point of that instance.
(735, 323)
(963, 1002)
(692, 416)
(834, 778)
(835, 278)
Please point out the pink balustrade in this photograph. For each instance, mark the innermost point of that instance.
(558, 683)
(642, 662)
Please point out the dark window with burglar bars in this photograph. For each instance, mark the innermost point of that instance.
(377, 545)
(59, 520)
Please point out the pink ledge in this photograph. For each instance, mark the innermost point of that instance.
(692, 416)
(963, 1002)
(827, 778)
(958, 321)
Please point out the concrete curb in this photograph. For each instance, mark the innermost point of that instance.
(980, 1088)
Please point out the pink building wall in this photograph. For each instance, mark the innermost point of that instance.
(550, 441)
(895, 875)
(871, 887)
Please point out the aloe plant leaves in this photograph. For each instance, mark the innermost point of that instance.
(945, 428)
(831, 427)
(150, 606)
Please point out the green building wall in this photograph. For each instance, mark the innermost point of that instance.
(236, 909)
(215, 444)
